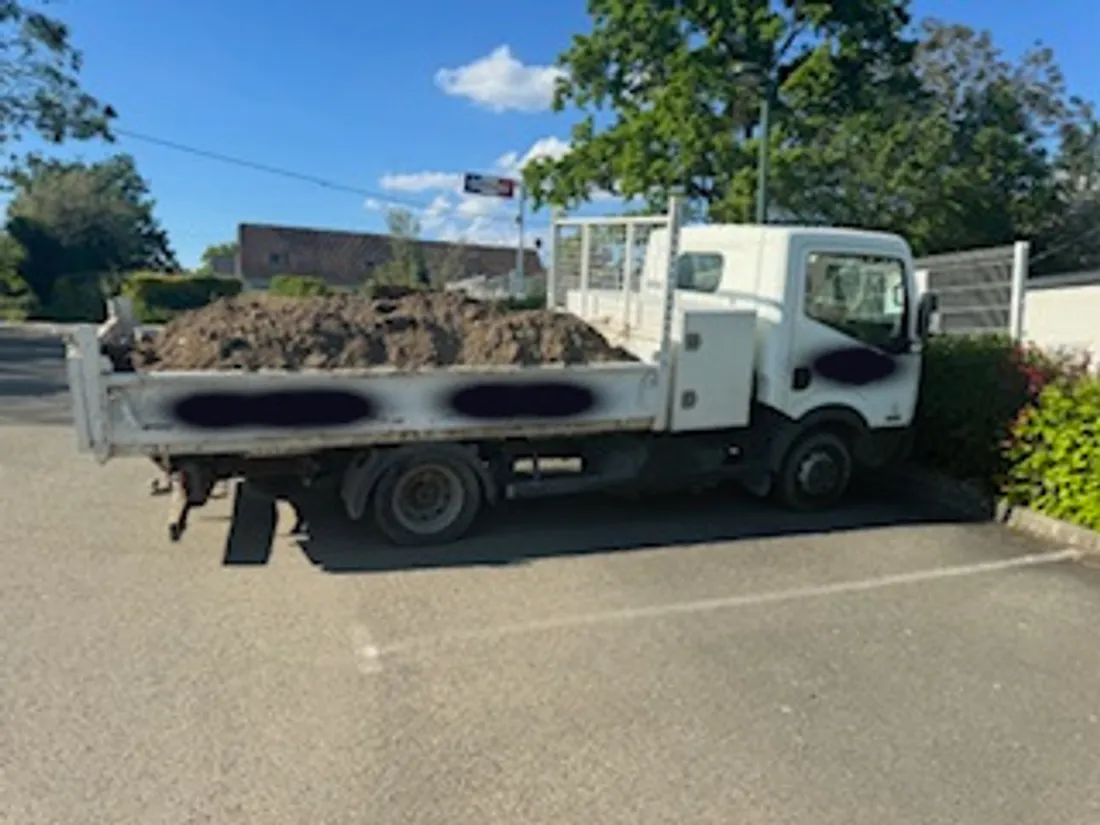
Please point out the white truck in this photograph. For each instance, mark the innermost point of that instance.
(783, 357)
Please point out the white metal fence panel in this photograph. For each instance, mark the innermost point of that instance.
(978, 290)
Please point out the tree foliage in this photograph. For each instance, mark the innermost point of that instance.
(681, 83)
(217, 251)
(73, 218)
(927, 131)
(965, 162)
(406, 266)
(450, 265)
(41, 92)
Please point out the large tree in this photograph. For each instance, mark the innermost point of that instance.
(938, 137)
(41, 91)
(968, 162)
(73, 218)
(679, 84)
(1072, 240)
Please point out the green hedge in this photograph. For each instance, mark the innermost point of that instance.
(1053, 453)
(971, 391)
(1023, 421)
(298, 286)
(158, 297)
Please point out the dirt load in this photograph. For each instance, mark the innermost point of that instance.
(408, 331)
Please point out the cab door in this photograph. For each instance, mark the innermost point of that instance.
(851, 338)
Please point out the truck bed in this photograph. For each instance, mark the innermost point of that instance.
(271, 413)
(695, 373)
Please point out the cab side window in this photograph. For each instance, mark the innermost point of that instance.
(699, 271)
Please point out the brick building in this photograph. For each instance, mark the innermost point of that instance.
(347, 259)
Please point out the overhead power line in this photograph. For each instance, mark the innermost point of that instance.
(336, 186)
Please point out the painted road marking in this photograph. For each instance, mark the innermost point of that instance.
(372, 654)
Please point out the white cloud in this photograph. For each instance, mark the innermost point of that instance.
(473, 207)
(421, 181)
(435, 216)
(455, 215)
(499, 82)
(512, 164)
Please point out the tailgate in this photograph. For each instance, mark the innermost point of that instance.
(82, 364)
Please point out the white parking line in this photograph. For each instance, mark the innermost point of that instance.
(375, 654)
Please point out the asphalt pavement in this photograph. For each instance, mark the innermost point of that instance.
(695, 660)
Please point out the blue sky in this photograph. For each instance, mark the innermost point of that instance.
(382, 97)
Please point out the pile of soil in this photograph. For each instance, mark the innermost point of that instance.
(407, 330)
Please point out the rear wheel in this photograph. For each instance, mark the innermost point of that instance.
(816, 472)
(431, 497)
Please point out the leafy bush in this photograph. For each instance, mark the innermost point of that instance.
(972, 390)
(298, 286)
(158, 297)
(77, 298)
(533, 301)
(18, 307)
(17, 302)
(1053, 454)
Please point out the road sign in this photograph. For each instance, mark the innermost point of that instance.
(489, 185)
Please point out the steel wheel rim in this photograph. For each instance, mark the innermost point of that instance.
(820, 472)
(428, 499)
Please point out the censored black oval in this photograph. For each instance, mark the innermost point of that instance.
(542, 399)
(285, 409)
(854, 366)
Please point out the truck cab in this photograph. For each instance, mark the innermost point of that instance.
(839, 326)
(837, 321)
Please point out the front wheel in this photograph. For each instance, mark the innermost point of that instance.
(428, 498)
(816, 472)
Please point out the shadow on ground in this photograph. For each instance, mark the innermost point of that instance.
(33, 384)
(519, 532)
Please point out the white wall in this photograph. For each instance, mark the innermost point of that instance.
(1064, 311)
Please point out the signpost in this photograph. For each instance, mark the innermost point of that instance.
(489, 185)
(493, 186)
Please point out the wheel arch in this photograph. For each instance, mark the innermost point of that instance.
(846, 420)
(366, 469)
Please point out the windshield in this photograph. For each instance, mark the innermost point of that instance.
(861, 296)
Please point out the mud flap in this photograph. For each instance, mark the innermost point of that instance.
(252, 527)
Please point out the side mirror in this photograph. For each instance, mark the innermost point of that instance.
(926, 310)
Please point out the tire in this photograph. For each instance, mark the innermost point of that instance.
(449, 485)
(816, 472)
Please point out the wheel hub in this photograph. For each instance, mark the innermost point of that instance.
(428, 499)
(818, 474)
